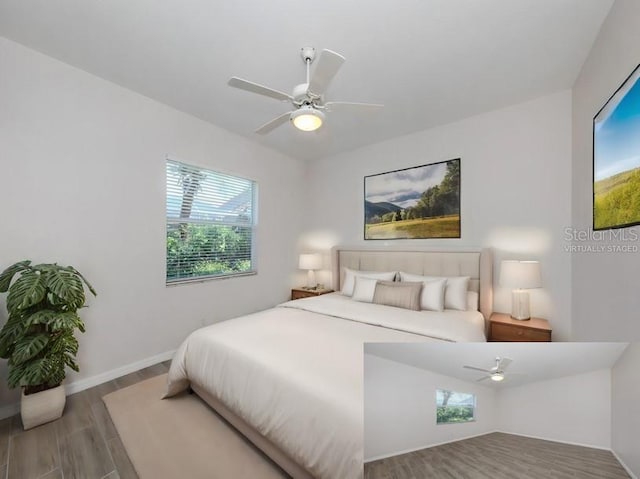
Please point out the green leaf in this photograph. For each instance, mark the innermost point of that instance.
(15, 375)
(28, 347)
(34, 373)
(44, 316)
(13, 329)
(7, 275)
(75, 271)
(67, 286)
(56, 320)
(28, 290)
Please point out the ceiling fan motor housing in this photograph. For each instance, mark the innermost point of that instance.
(299, 93)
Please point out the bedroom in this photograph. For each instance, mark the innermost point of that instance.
(95, 97)
(558, 410)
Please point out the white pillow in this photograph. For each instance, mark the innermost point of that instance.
(350, 276)
(364, 289)
(432, 295)
(472, 301)
(455, 291)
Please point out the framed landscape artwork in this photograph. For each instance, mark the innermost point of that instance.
(414, 203)
(616, 158)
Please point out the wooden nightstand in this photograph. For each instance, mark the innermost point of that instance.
(503, 328)
(298, 293)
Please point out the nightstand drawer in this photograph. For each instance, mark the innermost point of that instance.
(506, 332)
(299, 293)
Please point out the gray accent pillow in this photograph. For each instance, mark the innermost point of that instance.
(400, 295)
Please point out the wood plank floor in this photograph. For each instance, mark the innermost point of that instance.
(499, 456)
(82, 444)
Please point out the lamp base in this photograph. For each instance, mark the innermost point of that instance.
(311, 279)
(520, 305)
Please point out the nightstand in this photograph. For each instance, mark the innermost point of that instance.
(503, 327)
(298, 293)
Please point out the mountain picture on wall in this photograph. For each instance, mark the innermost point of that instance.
(616, 158)
(413, 203)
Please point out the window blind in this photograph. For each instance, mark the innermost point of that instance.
(210, 223)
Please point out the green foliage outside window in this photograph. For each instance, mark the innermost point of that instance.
(454, 407)
(207, 250)
(448, 414)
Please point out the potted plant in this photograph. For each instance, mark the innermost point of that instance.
(38, 337)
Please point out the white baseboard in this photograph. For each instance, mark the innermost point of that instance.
(86, 383)
(557, 440)
(384, 456)
(413, 449)
(626, 468)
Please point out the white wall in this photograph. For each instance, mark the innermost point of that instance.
(82, 183)
(400, 408)
(574, 409)
(516, 192)
(625, 399)
(605, 295)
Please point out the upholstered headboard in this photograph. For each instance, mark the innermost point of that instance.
(477, 264)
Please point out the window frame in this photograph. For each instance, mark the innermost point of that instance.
(473, 410)
(253, 225)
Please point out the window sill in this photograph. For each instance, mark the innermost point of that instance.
(204, 279)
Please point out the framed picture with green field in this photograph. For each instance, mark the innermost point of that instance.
(616, 158)
(413, 203)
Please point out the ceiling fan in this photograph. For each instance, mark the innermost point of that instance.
(307, 99)
(496, 373)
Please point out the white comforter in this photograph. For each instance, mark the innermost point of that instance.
(294, 372)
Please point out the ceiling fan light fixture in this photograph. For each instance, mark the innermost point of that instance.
(307, 118)
(497, 377)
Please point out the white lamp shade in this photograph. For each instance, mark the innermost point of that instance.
(310, 261)
(520, 274)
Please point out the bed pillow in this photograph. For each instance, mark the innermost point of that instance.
(432, 295)
(455, 291)
(364, 289)
(350, 275)
(400, 295)
(472, 301)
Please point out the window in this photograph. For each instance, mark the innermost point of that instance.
(454, 407)
(210, 224)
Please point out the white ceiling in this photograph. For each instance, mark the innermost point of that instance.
(429, 61)
(537, 361)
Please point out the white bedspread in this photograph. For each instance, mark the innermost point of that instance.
(294, 372)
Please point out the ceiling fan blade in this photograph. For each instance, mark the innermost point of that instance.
(328, 65)
(351, 106)
(273, 124)
(504, 363)
(482, 379)
(259, 89)
(478, 369)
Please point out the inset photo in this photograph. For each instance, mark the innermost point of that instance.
(501, 410)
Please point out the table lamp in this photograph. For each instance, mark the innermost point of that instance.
(310, 262)
(520, 275)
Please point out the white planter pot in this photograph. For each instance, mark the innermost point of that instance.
(42, 407)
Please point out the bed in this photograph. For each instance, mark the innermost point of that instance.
(290, 378)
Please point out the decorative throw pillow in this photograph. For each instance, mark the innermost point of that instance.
(400, 295)
(455, 291)
(364, 289)
(350, 276)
